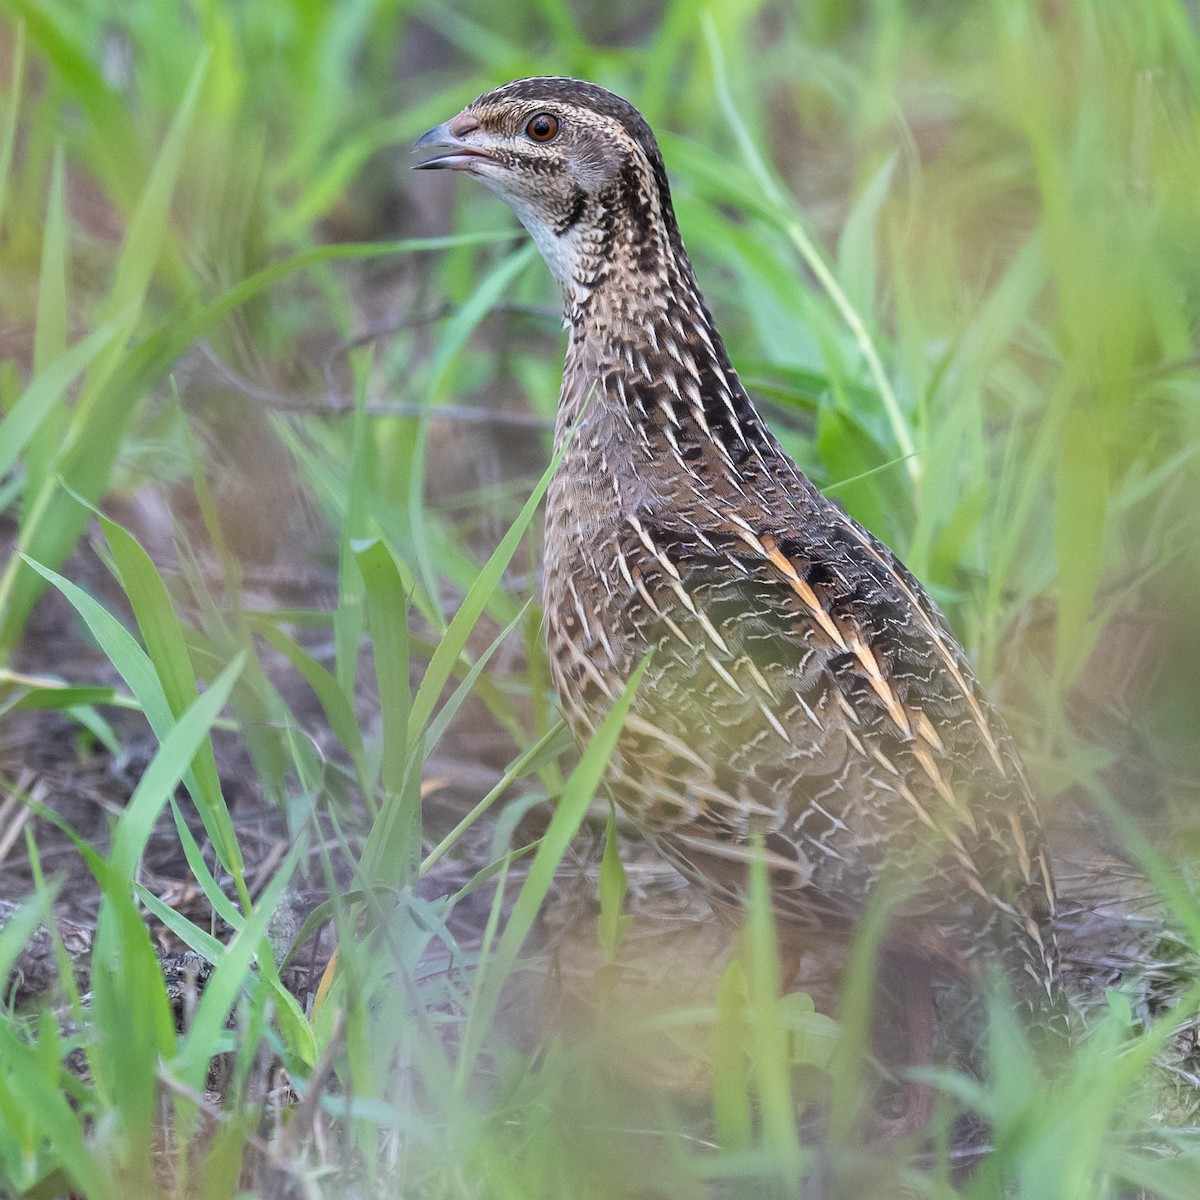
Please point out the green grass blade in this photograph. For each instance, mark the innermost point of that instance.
(29, 1093)
(812, 257)
(733, 1111)
(8, 136)
(492, 288)
(188, 932)
(50, 329)
(569, 812)
(47, 695)
(169, 765)
(772, 1062)
(135, 667)
(222, 905)
(130, 1001)
(388, 607)
(548, 748)
(441, 665)
(23, 420)
(1080, 513)
(458, 329)
(337, 706)
(856, 253)
(130, 1007)
(163, 635)
(16, 932)
(150, 221)
(350, 615)
(232, 971)
(612, 921)
(50, 335)
(94, 434)
(393, 845)
(455, 700)
(74, 67)
(161, 630)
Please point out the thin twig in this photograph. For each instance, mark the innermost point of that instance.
(336, 405)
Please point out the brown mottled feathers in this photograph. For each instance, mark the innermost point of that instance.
(803, 687)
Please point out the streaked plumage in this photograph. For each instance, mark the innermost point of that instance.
(803, 687)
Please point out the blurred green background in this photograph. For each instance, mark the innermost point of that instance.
(955, 251)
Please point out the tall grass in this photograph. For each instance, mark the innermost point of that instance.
(956, 252)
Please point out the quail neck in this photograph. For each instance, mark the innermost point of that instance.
(595, 198)
(804, 694)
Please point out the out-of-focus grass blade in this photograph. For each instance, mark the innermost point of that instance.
(612, 921)
(492, 288)
(858, 998)
(395, 835)
(483, 42)
(851, 454)
(8, 137)
(140, 369)
(31, 1096)
(16, 933)
(150, 221)
(1162, 1178)
(23, 420)
(856, 255)
(50, 330)
(768, 1039)
(264, 720)
(103, 414)
(349, 618)
(786, 317)
(788, 387)
(22, 693)
(324, 182)
(388, 608)
(52, 522)
(1080, 513)
(100, 728)
(789, 223)
(710, 171)
(160, 350)
(1175, 890)
(950, 544)
(107, 111)
(733, 1112)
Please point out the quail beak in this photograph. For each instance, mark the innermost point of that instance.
(451, 151)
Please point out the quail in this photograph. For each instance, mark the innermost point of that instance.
(805, 699)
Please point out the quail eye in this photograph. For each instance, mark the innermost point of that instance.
(542, 128)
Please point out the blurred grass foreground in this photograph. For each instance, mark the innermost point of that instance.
(303, 889)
